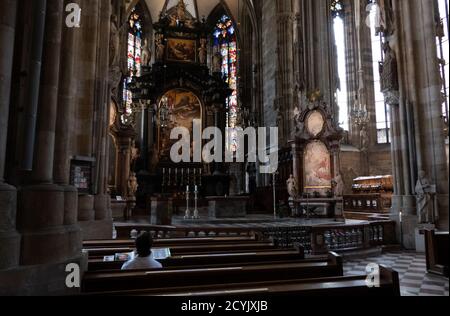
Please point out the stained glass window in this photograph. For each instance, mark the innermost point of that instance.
(224, 37)
(133, 60)
(337, 11)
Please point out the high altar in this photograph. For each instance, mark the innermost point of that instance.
(181, 86)
(316, 148)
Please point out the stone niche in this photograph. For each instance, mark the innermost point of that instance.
(227, 207)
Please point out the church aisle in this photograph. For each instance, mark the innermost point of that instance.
(411, 266)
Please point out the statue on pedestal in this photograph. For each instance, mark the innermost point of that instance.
(217, 63)
(132, 185)
(338, 186)
(114, 42)
(292, 187)
(425, 194)
(364, 138)
(160, 47)
(146, 54)
(202, 51)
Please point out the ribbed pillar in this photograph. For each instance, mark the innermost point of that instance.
(285, 70)
(41, 206)
(103, 213)
(9, 239)
(86, 95)
(64, 123)
(419, 142)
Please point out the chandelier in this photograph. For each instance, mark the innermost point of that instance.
(359, 114)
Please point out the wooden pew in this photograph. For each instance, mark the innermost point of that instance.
(177, 250)
(123, 280)
(161, 243)
(209, 260)
(436, 244)
(323, 287)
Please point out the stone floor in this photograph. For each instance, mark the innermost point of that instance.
(414, 280)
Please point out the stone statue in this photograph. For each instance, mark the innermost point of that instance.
(202, 51)
(217, 63)
(425, 199)
(160, 47)
(114, 42)
(132, 185)
(292, 187)
(388, 70)
(385, 17)
(181, 11)
(364, 139)
(338, 186)
(146, 54)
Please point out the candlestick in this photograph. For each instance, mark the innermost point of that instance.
(188, 212)
(196, 215)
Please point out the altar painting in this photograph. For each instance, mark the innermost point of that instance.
(183, 108)
(318, 173)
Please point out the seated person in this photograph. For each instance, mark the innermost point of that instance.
(144, 259)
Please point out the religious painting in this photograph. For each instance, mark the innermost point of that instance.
(181, 50)
(180, 108)
(317, 162)
(315, 123)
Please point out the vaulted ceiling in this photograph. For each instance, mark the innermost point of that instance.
(205, 7)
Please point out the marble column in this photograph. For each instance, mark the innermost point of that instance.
(45, 238)
(9, 238)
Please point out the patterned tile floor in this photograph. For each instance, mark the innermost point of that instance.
(414, 280)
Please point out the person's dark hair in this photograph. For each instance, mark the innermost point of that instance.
(144, 245)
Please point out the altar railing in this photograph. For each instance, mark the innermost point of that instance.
(315, 240)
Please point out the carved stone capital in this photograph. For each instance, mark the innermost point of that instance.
(392, 97)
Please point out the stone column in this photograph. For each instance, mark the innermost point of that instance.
(103, 214)
(285, 71)
(420, 106)
(86, 75)
(123, 142)
(66, 98)
(9, 239)
(45, 238)
(66, 102)
(319, 53)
